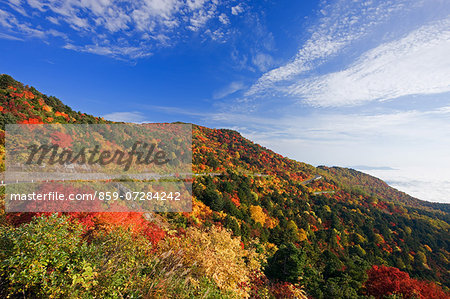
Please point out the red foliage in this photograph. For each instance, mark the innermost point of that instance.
(259, 281)
(153, 233)
(282, 290)
(384, 281)
(61, 139)
(92, 221)
(235, 199)
(17, 219)
(430, 290)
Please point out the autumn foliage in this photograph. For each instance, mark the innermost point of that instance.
(384, 281)
(248, 204)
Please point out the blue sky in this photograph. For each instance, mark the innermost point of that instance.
(326, 82)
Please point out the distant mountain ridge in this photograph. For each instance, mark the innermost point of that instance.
(377, 187)
(366, 167)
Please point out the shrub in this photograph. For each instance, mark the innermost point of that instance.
(48, 258)
(45, 258)
(215, 253)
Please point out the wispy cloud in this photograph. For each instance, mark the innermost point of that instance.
(18, 30)
(340, 24)
(131, 117)
(112, 50)
(10, 37)
(388, 138)
(397, 139)
(263, 61)
(7, 20)
(416, 64)
(103, 27)
(230, 89)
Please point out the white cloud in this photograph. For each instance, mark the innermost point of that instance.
(195, 4)
(431, 185)
(235, 10)
(224, 19)
(6, 19)
(230, 89)
(201, 17)
(393, 139)
(113, 51)
(10, 37)
(16, 5)
(263, 61)
(112, 24)
(131, 117)
(416, 64)
(342, 23)
(53, 20)
(412, 126)
(402, 140)
(36, 4)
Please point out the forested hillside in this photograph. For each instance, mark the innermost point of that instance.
(352, 179)
(262, 226)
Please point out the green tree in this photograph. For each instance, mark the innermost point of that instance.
(291, 234)
(286, 264)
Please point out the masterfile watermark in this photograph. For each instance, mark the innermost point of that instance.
(58, 167)
(51, 154)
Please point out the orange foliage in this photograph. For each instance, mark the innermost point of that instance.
(31, 121)
(28, 95)
(65, 115)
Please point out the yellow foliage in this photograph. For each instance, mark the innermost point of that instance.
(271, 249)
(47, 108)
(216, 254)
(199, 209)
(408, 230)
(258, 214)
(420, 257)
(360, 238)
(302, 236)
(379, 239)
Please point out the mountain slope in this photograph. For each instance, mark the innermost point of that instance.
(350, 178)
(341, 222)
